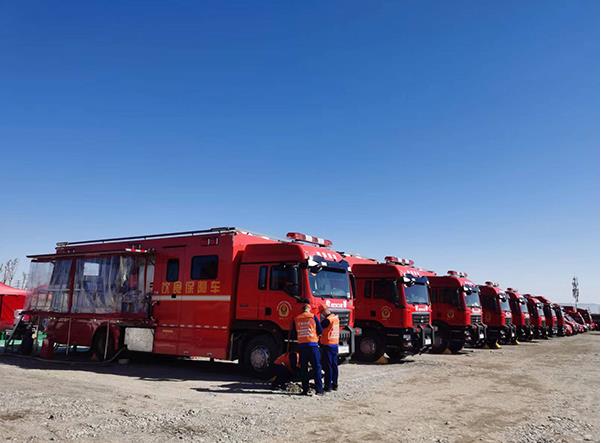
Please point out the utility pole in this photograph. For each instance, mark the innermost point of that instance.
(575, 291)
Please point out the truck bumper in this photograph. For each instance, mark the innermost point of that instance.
(346, 344)
(475, 335)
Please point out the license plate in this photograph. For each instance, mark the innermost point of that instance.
(343, 349)
(428, 341)
(481, 335)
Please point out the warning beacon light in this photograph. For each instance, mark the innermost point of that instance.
(297, 236)
(397, 261)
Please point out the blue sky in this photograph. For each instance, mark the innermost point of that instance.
(464, 135)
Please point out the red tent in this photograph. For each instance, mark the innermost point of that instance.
(11, 299)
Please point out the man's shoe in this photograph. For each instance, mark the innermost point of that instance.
(320, 393)
(335, 387)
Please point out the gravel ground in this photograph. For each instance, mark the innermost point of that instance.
(535, 392)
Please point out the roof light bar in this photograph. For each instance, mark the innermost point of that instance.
(453, 273)
(397, 261)
(298, 236)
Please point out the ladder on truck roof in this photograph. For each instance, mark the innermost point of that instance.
(218, 230)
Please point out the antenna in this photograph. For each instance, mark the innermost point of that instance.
(575, 291)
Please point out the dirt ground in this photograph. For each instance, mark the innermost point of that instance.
(535, 392)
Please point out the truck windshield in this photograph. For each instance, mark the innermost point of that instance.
(330, 283)
(524, 306)
(472, 298)
(417, 293)
(504, 303)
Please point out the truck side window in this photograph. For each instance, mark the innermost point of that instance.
(367, 289)
(263, 277)
(384, 289)
(281, 276)
(204, 267)
(172, 269)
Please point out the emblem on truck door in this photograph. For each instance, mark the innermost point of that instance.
(284, 309)
(386, 311)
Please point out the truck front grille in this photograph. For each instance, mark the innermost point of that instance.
(527, 322)
(421, 319)
(476, 319)
(343, 316)
(507, 322)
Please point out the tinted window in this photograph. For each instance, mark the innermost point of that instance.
(367, 289)
(385, 289)
(172, 269)
(262, 277)
(204, 267)
(281, 276)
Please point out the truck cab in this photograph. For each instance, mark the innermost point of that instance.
(550, 316)
(392, 308)
(537, 316)
(497, 315)
(520, 316)
(456, 312)
(587, 317)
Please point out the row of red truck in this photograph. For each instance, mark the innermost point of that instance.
(227, 293)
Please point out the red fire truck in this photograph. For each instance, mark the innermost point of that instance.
(456, 312)
(550, 316)
(520, 315)
(221, 293)
(537, 316)
(392, 308)
(497, 315)
(561, 321)
(588, 318)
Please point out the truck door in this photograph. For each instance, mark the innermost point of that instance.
(170, 263)
(275, 303)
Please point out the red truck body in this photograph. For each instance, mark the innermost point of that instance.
(220, 293)
(520, 316)
(588, 318)
(392, 308)
(11, 304)
(537, 316)
(497, 314)
(577, 317)
(550, 316)
(456, 312)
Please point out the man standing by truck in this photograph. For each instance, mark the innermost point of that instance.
(307, 330)
(329, 348)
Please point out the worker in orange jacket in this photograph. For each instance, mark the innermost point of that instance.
(329, 348)
(306, 331)
(284, 369)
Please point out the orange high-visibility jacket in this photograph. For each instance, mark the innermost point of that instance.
(306, 330)
(331, 333)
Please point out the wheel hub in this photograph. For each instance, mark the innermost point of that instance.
(259, 358)
(368, 346)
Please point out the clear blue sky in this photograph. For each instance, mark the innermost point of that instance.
(464, 135)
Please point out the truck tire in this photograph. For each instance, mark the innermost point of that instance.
(26, 347)
(370, 347)
(440, 342)
(99, 345)
(259, 354)
(455, 346)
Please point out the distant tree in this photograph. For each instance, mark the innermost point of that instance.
(8, 270)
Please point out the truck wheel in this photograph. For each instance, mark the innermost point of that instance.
(99, 346)
(259, 354)
(440, 342)
(26, 347)
(370, 347)
(456, 346)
